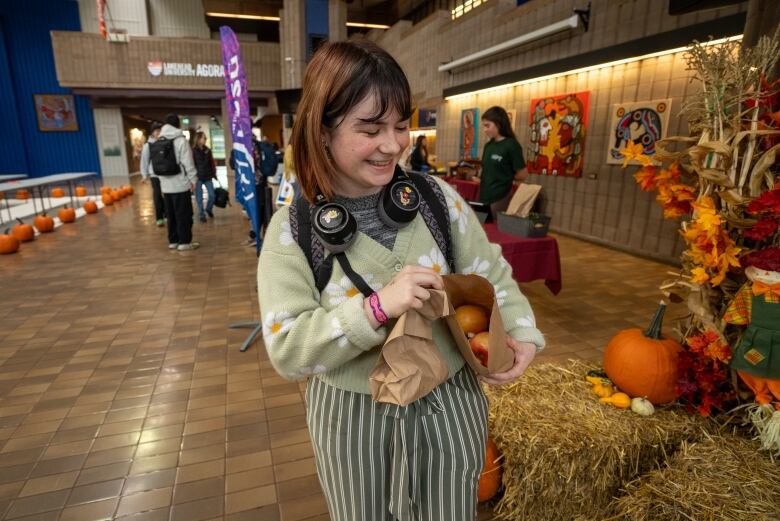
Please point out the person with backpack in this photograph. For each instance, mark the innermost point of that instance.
(266, 162)
(364, 244)
(147, 172)
(172, 162)
(207, 171)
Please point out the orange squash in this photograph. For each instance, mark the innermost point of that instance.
(22, 194)
(90, 206)
(23, 232)
(8, 243)
(43, 223)
(107, 199)
(81, 191)
(644, 363)
(490, 479)
(57, 192)
(67, 215)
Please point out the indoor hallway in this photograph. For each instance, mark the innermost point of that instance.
(123, 393)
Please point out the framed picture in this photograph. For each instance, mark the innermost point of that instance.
(557, 131)
(56, 112)
(512, 114)
(469, 133)
(642, 122)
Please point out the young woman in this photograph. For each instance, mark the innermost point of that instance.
(502, 161)
(207, 170)
(375, 460)
(419, 157)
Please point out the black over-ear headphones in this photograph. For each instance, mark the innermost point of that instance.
(337, 228)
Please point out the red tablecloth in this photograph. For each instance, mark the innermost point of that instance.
(530, 258)
(469, 189)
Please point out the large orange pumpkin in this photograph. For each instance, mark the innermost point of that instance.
(81, 191)
(644, 364)
(490, 479)
(67, 215)
(107, 199)
(90, 206)
(471, 319)
(43, 223)
(23, 232)
(57, 192)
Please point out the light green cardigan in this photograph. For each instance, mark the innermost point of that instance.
(328, 335)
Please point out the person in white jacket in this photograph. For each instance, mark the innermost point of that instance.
(147, 172)
(177, 189)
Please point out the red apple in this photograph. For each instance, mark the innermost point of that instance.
(479, 346)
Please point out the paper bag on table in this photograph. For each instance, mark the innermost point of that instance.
(473, 289)
(523, 200)
(410, 365)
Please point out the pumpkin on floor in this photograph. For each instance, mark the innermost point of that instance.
(105, 189)
(490, 479)
(8, 243)
(116, 195)
(644, 363)
(23, 232)
(43, 223)
(81, 191)
(129, 189)
(90, 206)
(67, 215)
(107, 199)
(22, 195)
(57, 192)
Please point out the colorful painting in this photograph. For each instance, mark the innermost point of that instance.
(56, 112)
(469, 133)
(557, 128)
(642, 122)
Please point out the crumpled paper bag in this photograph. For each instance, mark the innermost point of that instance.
(523, 200)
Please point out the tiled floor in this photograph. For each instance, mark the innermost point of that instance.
(123, 394)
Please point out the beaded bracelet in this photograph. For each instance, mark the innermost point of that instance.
(376, 308)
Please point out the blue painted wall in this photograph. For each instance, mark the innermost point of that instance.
(27, 68)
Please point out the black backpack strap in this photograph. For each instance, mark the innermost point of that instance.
(433, 208)
(300, 228)
(356, 279)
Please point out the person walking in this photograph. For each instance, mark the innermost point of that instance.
(421, 461)
(207, 171)
(173, 164)
(147, 173)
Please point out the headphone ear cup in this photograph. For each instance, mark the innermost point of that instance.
(335, 226)
(399, 203)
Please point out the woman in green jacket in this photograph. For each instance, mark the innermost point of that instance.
(502, 161)
(375, 460)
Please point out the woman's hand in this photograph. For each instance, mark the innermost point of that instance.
(409, 289)
(524, 355)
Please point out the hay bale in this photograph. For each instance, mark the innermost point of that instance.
(719, 478)
(565, 454)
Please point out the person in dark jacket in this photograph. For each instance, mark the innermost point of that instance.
(207, 170)
(419, 157)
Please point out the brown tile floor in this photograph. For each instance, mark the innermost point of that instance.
(123, 394)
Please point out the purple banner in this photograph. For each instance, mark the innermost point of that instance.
(237, 98)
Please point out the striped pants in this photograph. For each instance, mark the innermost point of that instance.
(383, 462)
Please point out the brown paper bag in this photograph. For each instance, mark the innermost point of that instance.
(410, 365)
(473, 289)
(523, 200)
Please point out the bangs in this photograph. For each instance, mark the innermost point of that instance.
(377, 75)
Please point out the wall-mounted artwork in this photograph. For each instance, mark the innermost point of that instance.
(56, 112)
(642, 122)
(512, 113)
(469, 133)
(557, 129)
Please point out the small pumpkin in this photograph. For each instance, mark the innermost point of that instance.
(22, 194)
(43, 223)
(81, 191)
(642, 406)
(105, 189)
(107, 199)
(8, 243)
(57, 192)
(23, 232)
(116, 195)
(67, 215)
(490, 479)
(644, 363)
(90, 206)
(619, 400)
(603, 391)
(128, 189)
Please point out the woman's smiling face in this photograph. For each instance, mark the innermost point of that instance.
(364, 151)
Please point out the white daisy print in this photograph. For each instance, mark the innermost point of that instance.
(274, 324)
(343, 290)
(527, 321)
(458, 208)
(501, 295)
(338, 333)
(285, 236)
(503, 262)
(308, 371)
(434, 260)
(477, 267)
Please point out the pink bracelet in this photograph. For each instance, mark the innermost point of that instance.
(376, 308)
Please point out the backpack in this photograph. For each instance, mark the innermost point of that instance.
(268, 159)
(434, 211)
(163, 156)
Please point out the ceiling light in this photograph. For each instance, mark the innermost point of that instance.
(244, 16)
(367, 26)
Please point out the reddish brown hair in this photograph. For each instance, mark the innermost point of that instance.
(339, 77)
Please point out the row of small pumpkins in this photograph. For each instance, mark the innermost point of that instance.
(24, 194)
(11, 240)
